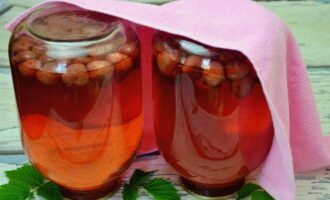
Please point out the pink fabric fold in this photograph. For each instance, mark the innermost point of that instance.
(248, 27)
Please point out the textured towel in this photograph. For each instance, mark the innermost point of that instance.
(245, 26)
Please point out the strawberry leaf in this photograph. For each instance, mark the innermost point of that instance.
(130, 193)
(247, 190)
(49, 191)
(161, 189)
(27, 175)
(15, 191)
(261, 195)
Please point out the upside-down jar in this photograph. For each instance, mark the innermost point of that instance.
(211, 117)
(77, 81)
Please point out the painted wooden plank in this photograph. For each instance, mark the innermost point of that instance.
(320, 80)
(9, 131)
(3, 5)
(21, 3)
(309, 21)
(14, 159)
(5, 35)
(3, 168)
(310, 186)
(310, 24)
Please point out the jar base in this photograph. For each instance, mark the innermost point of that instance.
(217, 192)
(105, 191)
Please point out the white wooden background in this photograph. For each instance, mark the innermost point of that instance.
(310, 23)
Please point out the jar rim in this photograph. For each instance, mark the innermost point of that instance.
(58, 24)
(187, 45)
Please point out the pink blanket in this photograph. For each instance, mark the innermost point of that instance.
(248, 27)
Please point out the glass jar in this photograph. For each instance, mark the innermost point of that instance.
(211, 117)
(77, 81)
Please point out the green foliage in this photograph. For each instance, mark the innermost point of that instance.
(254, 191)
(27, 175)
(161, 189)
(15, 191)
(26, 182)
(157, 188)
(129, 192)
(49, 191)
(261, 195)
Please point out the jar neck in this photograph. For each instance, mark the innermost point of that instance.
(70, 25)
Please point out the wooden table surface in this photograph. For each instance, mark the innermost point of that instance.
(310, 23)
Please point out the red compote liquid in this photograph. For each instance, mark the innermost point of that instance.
(78, 88)
(212, 120)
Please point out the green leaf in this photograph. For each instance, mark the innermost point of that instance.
(49, 191)
(27, 175)
(130, 193)
(24, 182)
(161, 189)
(15, 191)
(139, 177)
(247, 190)
(261, 195)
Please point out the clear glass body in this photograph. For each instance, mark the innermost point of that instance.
(212, 120)
(77, 82)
